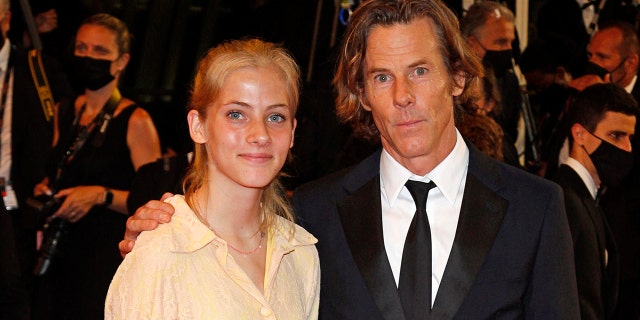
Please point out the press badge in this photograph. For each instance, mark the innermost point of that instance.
(8, 195)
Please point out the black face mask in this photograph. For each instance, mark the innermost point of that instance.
(612, 163)
(592, 68)
(616, 69)
(93, 74)
(500, 60)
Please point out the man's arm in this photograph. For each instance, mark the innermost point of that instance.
(553, 292)
(146, 218)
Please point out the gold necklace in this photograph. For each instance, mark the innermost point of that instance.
(248, 252)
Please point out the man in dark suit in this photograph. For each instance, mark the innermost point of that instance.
(26, 136)
(499, 243)
(602, 120)
(616, 50)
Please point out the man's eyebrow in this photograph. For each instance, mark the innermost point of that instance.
(412, 65)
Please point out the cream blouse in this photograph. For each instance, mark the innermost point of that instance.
(182, 270)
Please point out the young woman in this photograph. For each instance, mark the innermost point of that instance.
(232, 250)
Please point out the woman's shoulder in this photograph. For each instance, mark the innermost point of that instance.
(299, 237)
(185, 232)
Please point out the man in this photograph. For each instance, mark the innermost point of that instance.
(602, 120)
(500, 240)
(490, 31)
(26, 136)
(616, 50)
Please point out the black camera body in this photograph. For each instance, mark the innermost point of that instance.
(53, 235)
(44, 205)
(54, 230)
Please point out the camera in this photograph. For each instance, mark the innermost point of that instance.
(43, 206)
(53, 234)
(54, 230)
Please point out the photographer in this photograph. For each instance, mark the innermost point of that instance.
(100, 140)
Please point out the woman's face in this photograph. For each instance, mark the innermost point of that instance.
(98, 42)
(249, 128)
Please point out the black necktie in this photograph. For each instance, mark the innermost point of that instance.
(415, 272)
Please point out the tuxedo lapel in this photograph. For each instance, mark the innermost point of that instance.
(361, 216)
(597, 218)
(480, 219)
(595, 213)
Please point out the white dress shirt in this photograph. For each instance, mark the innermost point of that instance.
(5, 134)
(586, 177)
(443, 207)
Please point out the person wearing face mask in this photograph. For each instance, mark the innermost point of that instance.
(614, 49)
(613, 57)
(100, 141)
(602, 121)
(490, 31)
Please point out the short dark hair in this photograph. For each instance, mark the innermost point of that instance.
(590, 105)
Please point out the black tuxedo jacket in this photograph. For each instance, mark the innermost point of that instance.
(511, 257)
(597, 283)
(621, 205)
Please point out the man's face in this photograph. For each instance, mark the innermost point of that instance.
(409, 92)
(616, 128)
(495, 35)
(603, 50)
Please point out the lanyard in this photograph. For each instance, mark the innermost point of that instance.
(101, 122)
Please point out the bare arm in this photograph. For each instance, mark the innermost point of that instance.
(146, 218)
(142, 139)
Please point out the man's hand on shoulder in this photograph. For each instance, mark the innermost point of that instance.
(146, 218)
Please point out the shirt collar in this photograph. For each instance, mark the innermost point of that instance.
(629, 87)
(584, 175)
(190, 234)
(4, 55)
(446, 175)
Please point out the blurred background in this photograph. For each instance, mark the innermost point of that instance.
(170, 36)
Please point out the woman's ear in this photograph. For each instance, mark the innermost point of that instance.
(196, 127)
(122, 61)
(293, 132)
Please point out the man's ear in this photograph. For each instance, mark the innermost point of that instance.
(578, 132)
(474, 43)
(197, 128)
(459, 81)
(362, 98)
(633, 60)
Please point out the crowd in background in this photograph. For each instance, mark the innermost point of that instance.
(520, 114)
